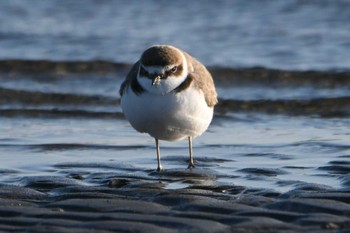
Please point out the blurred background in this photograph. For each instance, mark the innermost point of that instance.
(288, 34)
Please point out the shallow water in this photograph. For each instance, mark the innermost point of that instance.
(273, 152)
(71, 125)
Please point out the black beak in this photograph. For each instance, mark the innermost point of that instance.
(156, 79)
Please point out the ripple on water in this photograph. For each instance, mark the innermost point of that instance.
(337, 167)
(272, 155)
(264, 171)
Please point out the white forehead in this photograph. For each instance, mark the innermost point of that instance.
(157, 69)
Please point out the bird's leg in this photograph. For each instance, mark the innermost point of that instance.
(159, 168)
(190, 163)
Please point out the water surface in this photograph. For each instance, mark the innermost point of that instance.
(54, 125)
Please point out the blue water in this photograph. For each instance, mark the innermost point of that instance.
(247, 148)
(288, 34)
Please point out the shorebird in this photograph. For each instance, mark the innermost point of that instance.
(170, 95)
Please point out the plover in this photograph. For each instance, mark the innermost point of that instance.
(170, 95)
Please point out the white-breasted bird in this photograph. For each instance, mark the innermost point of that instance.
(170, 95)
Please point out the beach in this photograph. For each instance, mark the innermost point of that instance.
(275, 158)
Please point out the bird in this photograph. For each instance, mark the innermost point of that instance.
(170, 95)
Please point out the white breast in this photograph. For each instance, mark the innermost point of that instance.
(171, 117)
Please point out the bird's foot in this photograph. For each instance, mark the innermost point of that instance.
(159, 169)
(190, 166)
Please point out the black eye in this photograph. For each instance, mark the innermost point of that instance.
(174, 69)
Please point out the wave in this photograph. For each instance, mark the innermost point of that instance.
(88, 96)
(34, 104)
(57, 113)
(323, 107)
(10, 96)
(222, 75)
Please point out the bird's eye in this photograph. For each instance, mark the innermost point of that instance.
(174, 69)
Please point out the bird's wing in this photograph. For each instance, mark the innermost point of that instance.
(202, 79)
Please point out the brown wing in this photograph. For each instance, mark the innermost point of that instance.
(202, 79)
(131, 80)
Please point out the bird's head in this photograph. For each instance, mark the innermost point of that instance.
(162, 68)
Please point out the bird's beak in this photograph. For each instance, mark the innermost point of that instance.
(156, 80)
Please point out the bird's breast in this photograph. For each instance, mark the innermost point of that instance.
(172, 116)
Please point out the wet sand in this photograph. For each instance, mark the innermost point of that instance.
(136, 204)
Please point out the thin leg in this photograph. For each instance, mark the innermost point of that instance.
(159, 168)
(190, 163)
